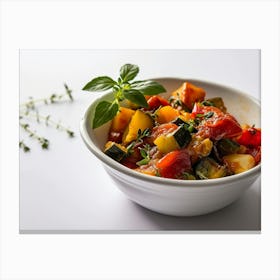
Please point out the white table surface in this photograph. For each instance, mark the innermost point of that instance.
(65, 189)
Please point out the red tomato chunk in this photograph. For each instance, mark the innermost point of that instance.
(214, 123)
(156, 101)
(173, 164)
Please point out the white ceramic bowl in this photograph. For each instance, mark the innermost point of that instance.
(171, 196)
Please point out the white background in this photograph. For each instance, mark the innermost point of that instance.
(67, 188)
(200, 24)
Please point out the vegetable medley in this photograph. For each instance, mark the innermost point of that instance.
(187, 137)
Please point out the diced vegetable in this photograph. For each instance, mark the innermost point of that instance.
(239, 163)
(156, 101)
(199, 148)
(166, 143)
(250, 137)
(185, 138)
(189, 94)
(185, 116)
(214, 123)
(227, 146)
(207, 168)
(166, 114)
(115, 151)
(174, 164)
(139, 121)
(179, 121)
(121, 120)
(216, 102)
(173, 141)
(182, 136)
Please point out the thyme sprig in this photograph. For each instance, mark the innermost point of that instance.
(48, 121)
(33, 134)
(23, 146)
(29, 110)
(145, 153)
(140, 136)
(53, 98)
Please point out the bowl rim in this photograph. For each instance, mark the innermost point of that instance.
(160, 180)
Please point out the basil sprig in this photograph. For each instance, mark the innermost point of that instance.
(121, 89)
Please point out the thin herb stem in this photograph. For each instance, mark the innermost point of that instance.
(23, 146)
(32, 133)
(53, 98)
(47, 120)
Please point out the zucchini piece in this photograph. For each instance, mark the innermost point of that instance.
(188, 125)
(115, 151)
(179, 121)
(238, 163)
(182, 136)
(208, 168)
(173, 141)
(227, 146)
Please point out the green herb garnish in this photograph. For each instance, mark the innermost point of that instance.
(145, 153)
(140, 135)
(121, 89)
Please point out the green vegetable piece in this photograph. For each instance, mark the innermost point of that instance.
(227, 146)
(208, 168)
(182, 136)
(178, 121)
(115, 151)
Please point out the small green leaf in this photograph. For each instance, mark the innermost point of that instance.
(148, 87)
(143, 153)
(136, 97)
(100, 84)
(143, 161)
(104, 112)
(128, 72)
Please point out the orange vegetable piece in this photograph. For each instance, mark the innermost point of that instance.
(166, 114)
(121, 120)
(189, 94)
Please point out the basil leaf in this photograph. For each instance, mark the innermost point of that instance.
(100, 84)
(104, 112)
(128, 72)
(148, 87)
(136, 97)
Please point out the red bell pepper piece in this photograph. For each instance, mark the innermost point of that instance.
(250, 137)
